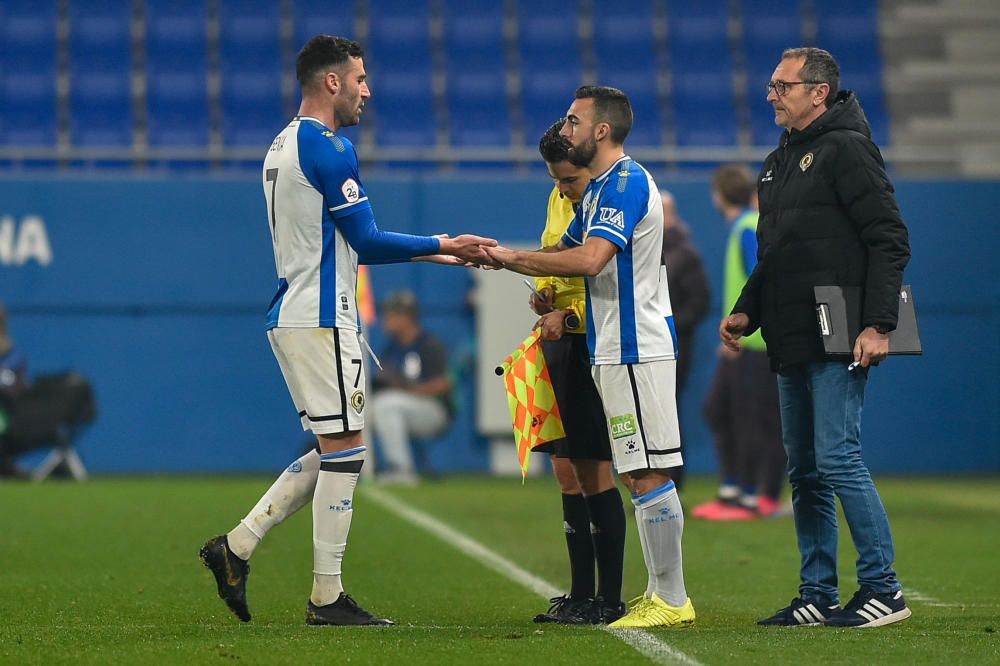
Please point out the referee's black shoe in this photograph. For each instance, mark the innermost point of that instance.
(868, 608)
(345, 611)
(231, 574)
(602, 612)
(567, 610)
(802, 613)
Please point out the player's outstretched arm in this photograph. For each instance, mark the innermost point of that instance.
(375, 246)
(468, 247)
(444, 259)
(588, 259)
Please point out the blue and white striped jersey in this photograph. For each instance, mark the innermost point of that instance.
(321, 221)
(311, 179)
(629, 319)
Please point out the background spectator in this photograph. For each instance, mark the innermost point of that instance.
(689, 293)
(412, 393)
(742, 405)
(13, 380)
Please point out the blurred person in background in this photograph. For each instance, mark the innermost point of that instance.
(741, 408)
(828, 217)
(689, 289)
(593, 513)
(46, 411)
(689, 293)
(13, 382)
(412, 391)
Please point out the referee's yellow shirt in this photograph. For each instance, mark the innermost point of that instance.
(569, 293)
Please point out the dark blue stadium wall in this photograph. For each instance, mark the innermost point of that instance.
(156, 291)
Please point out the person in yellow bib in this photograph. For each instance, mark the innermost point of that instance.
(741, 408)
(593, 514)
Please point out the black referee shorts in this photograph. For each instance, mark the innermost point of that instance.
(568, 360)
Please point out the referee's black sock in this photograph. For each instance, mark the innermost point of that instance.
(576, 521)
(608, 516)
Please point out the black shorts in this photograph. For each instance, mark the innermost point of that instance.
(579, 403)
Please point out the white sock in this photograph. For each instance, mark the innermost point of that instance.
(289, 493)
(650, 583)
(662, 523)
(333, 506)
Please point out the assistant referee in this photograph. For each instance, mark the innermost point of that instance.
(593, 515)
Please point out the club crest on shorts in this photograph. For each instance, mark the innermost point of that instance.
(358, 401)
(622, 426)
(806, 161)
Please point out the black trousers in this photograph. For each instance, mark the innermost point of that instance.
(742, 412)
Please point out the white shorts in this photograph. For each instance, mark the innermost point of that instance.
(640, 405)
(325, 374)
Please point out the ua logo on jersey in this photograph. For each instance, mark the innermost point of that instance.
(350, 190)
(613, 216)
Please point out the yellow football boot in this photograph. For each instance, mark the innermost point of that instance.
(639, 601)
(654, 612)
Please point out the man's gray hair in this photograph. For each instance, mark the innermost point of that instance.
(819, 67)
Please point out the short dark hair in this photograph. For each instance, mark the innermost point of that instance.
(611, 106)
(553, 147)
(404, 302)
(819, 67)
(322, 52)
(734, 183)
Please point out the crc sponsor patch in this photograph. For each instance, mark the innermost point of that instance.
(623, 426)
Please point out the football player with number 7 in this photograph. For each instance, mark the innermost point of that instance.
(322, 226)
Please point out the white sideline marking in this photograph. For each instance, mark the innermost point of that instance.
(926, 599)
(642, 641)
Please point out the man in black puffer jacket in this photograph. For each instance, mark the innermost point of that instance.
(828, 216)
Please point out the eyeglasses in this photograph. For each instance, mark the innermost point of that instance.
(781, 87)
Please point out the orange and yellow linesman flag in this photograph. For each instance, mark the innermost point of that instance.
(532, 402)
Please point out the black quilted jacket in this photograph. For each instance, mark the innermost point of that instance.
(828, 216)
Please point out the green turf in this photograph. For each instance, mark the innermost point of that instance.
(106, 572)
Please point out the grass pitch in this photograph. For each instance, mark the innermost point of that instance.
(107, 572)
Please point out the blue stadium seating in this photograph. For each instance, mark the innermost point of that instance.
(849, 30)
(399, 64)
(100, 65)
(319, 17)
(250, 68)
(549, 47)
(253, 58)
(28, 113)
(768, 29)
(702, 76)
(177, 72)
(476, 73)
(625, 55)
